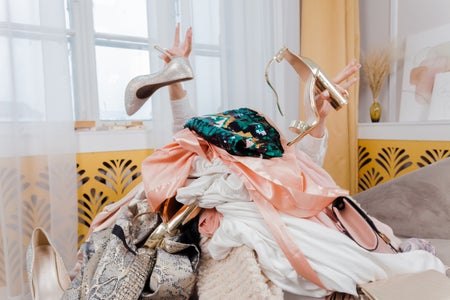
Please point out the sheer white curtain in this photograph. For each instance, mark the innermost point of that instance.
(37, 153)
(249, 33)
(252, 33)
(38, 179)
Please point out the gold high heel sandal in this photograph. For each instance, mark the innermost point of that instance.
(142, 87)
(46, 271)
(317, 82)
(181, 217)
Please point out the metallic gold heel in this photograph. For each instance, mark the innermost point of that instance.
(324, 84)
(302, 128)
(142, 87)
(181, 217)
(317, 82)
(277, 58)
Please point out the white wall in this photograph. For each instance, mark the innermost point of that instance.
(382, 21)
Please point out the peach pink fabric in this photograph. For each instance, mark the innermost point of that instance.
(292, 184)
(209, 221)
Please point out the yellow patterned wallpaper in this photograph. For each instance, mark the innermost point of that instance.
(103, 178)
(383, 160)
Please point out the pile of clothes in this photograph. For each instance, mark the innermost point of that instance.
(258, 221)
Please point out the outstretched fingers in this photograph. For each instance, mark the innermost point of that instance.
(350, 69)
(341, 86)
(187, 44)
(349, 83)
(176, 40)
(345, 78)
(183, 49)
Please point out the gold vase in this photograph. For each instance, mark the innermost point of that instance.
(375, 111)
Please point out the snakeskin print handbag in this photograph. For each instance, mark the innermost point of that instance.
(117, 264)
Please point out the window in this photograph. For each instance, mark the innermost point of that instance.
(89, 55)
(33, 50)
(112, 41)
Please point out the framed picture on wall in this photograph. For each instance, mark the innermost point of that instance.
(425, 94)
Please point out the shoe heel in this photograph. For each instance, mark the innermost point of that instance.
(323, 83)
(301, 128)
(185, 214)
(163, 51)
(337, 100)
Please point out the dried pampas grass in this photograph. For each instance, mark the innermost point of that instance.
(377, 64)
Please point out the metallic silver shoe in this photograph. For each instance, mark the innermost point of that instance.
(142, 87)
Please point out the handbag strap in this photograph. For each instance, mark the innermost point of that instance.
(355, 220)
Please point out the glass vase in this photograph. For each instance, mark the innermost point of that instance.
(375, 111)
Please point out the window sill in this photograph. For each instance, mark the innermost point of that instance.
(113, 140)
(421, 131)
(138, 139)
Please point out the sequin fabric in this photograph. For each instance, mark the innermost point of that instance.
(242, 132)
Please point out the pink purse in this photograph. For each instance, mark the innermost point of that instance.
(359, 226)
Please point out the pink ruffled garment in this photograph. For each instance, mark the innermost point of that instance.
(292, 184)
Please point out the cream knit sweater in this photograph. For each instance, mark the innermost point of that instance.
(238, 276)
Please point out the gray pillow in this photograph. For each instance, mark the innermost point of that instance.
(416, 204)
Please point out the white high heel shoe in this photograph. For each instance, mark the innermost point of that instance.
(142, 87)
(47, 274)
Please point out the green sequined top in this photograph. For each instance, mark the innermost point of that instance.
(242, 132)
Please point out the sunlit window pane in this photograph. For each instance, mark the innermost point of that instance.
(115, 68)
(33, 12)
(29, 72)
(206, 20)
(24, 11)
(3, 12)
(120, 17)
(6, 92)
(208, 80)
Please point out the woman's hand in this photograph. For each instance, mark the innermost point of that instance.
(343, 81)
(180, 50)
(324, 107)
(176, 90)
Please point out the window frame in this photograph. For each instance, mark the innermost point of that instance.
(82, 48)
